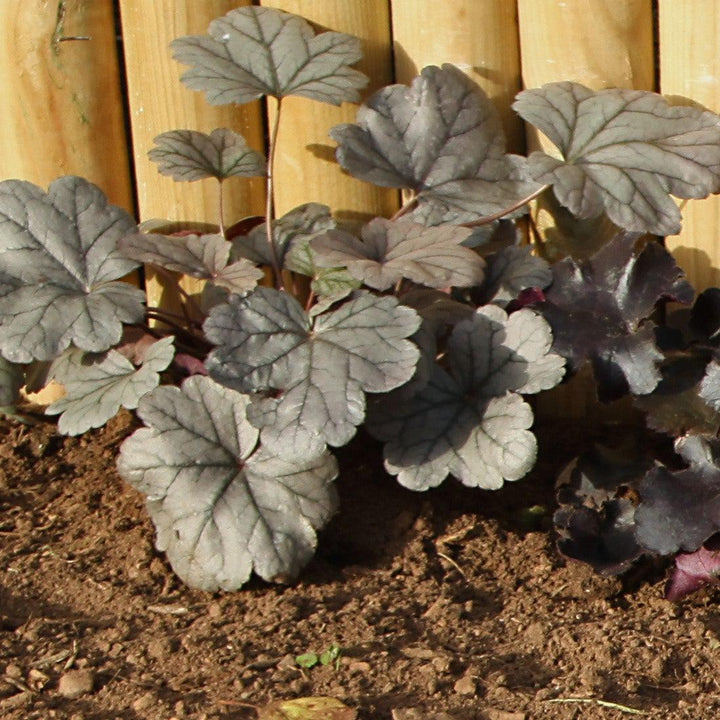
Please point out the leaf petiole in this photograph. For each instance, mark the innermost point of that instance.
(270, 200)
(506, 211)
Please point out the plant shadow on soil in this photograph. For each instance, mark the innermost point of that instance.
(445, 601)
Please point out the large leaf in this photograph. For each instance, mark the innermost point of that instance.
(471, 421)
(256, 51)
(598, 311)
(59, 258)
(200, 256)
(442, 138)
(97, 386)
(623, 151)
(681, 510)
(223, 506)
(191, 155)
(389, 251)
(316, 370)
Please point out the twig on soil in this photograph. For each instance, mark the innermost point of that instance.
(602, 703)
(168, 609)
(453, 563)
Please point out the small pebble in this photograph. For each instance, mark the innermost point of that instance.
(466, 686)
(75, 683)
(144, 702)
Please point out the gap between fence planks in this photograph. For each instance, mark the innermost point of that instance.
(690, 73)
(158, 102)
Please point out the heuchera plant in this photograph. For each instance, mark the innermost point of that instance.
(429, 327)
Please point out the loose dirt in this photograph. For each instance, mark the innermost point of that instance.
(453, 601)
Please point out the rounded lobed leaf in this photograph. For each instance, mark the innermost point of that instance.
(222, 506)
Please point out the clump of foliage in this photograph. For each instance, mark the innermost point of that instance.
(429, 327)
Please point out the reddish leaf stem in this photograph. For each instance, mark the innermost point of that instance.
(502, 213)
(270, 199)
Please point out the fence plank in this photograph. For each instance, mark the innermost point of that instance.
(159, 102)
(306, 170)
(600, 44)
(690, 68)
(62, 106)
(481, 38)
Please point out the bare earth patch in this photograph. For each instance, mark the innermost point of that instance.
(447, 602)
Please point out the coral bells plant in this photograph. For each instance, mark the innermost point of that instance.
(428, 328)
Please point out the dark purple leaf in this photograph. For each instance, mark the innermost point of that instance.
(694, 571)
(598, 312)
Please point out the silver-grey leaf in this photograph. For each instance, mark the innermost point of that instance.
(317, 370)
(256, 51)
(97, 386)
(442, 138)
(471, 421)
(192, 155)
(298, 225)
(624, 152)
(222, 506)
(59, 260)
(201, 256)
(390, 251)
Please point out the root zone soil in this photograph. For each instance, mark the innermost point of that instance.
(450, 603)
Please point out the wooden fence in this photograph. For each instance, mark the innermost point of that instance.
(77, 73)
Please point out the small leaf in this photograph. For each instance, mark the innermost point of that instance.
(599, 308)
(623, 151)
(389, 251)
(222, 505)
(442, 138)
(471, 421)
(201, 256)
(59, 261)
(307, 660)
(308, 708)
(98, 386)
(256, 51)
(188, 155)
(321, 367)
(296, 226)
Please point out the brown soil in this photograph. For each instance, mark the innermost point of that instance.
(445, 602)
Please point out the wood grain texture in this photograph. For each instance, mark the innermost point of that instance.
(306, 170)
(599, 44)
(478, 36)
(62, 108)
(159, 102)
(690, 73)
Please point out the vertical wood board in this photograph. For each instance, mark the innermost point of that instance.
(62, 104)
(159, 102)
(690, 73)
(305, 167)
